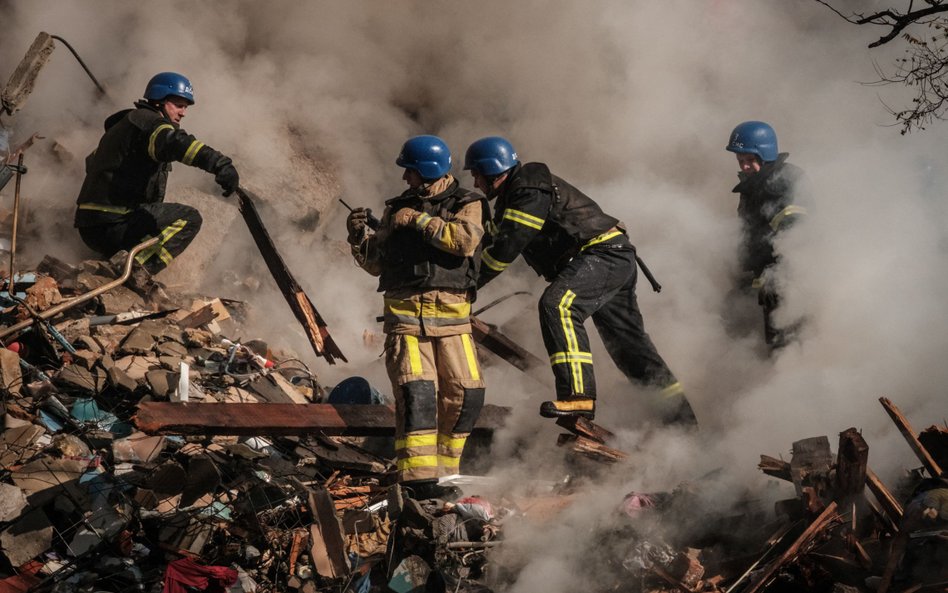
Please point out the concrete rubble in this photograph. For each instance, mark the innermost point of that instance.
(106, 487)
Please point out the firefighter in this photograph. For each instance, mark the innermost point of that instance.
(426, 253)
(767, 189)
(121, 202)
(586, 256)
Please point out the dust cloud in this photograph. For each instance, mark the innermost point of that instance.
(632, 102)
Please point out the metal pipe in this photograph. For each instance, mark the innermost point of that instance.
(16, 214)
(53, 311)
(81, 63)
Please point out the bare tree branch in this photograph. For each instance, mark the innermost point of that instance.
(896, 21)
(925, 69)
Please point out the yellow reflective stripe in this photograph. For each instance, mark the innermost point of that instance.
(154, 135)
(574, 405)
(414, 354)
(673, 390)
(165, 256)
(572, 343)
(493, 264)
(447, 235)
(471, 356)
(192, 152)
(159, 248)
(429, 309)
(417, 440)
(452, 442)
(758, 282)
(523, 218)
(448, 461)
(570, 357)
(417, 461)
(600, 238)
(422, 220)
(104, 208)
(791, 210)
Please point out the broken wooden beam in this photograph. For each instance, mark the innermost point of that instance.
(906, 429)
(809, 534)
(890, 506)
(327, 538)
(590, 448)
(495, 342)
(777, 468)
(585, 428)
(851, 459)
(251, 419)
(313, 324)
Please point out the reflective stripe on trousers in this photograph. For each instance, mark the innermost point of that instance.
(438, 394)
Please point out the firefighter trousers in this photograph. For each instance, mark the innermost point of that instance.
(600, 282)
(439, 393)
(175, 225)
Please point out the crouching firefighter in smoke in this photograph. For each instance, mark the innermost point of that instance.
(586, 256)
(768, 191)
(426, 253)
(121, 202)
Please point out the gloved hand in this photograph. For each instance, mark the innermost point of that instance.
(405, 217)
(226, 176)
(768, 298)
(356, 223)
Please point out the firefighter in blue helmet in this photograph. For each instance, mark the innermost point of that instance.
(426, 254)
(121, 202)
(767, 207)
(586, 256)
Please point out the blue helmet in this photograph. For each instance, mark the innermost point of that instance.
(428, 155)
(165, 84)
(754, 137)
(490, 156)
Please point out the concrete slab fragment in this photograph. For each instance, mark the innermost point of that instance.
(27, 538)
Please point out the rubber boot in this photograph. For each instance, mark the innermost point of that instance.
(575, 406)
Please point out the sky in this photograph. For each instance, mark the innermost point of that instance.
(632, 102)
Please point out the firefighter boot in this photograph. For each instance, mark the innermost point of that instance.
(573, 406)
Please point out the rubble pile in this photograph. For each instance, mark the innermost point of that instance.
(145, 447)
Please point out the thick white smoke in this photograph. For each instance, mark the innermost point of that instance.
(632, 102)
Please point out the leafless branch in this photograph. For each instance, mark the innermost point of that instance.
(895, 20)
(925, 67)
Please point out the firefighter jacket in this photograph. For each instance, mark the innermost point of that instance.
(546, 219)
(766, 208)
(428, 268)
(131, 164)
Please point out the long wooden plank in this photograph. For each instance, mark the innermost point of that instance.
(906, 429)
(282, 419)
(313, 324)
(887, 501)
(492, 340)
(815, 528)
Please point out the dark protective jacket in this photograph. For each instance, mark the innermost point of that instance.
(543, 217)
(410, 260)
(131, 164)
(766, 208)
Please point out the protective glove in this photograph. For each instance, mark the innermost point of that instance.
(768, 298)
(225, 174)
(405, 217)
(356, 223)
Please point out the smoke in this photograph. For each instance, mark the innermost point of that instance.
(632, 102)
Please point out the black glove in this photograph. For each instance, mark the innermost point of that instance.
(356, 223)
(768, 298)
(225, 174)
